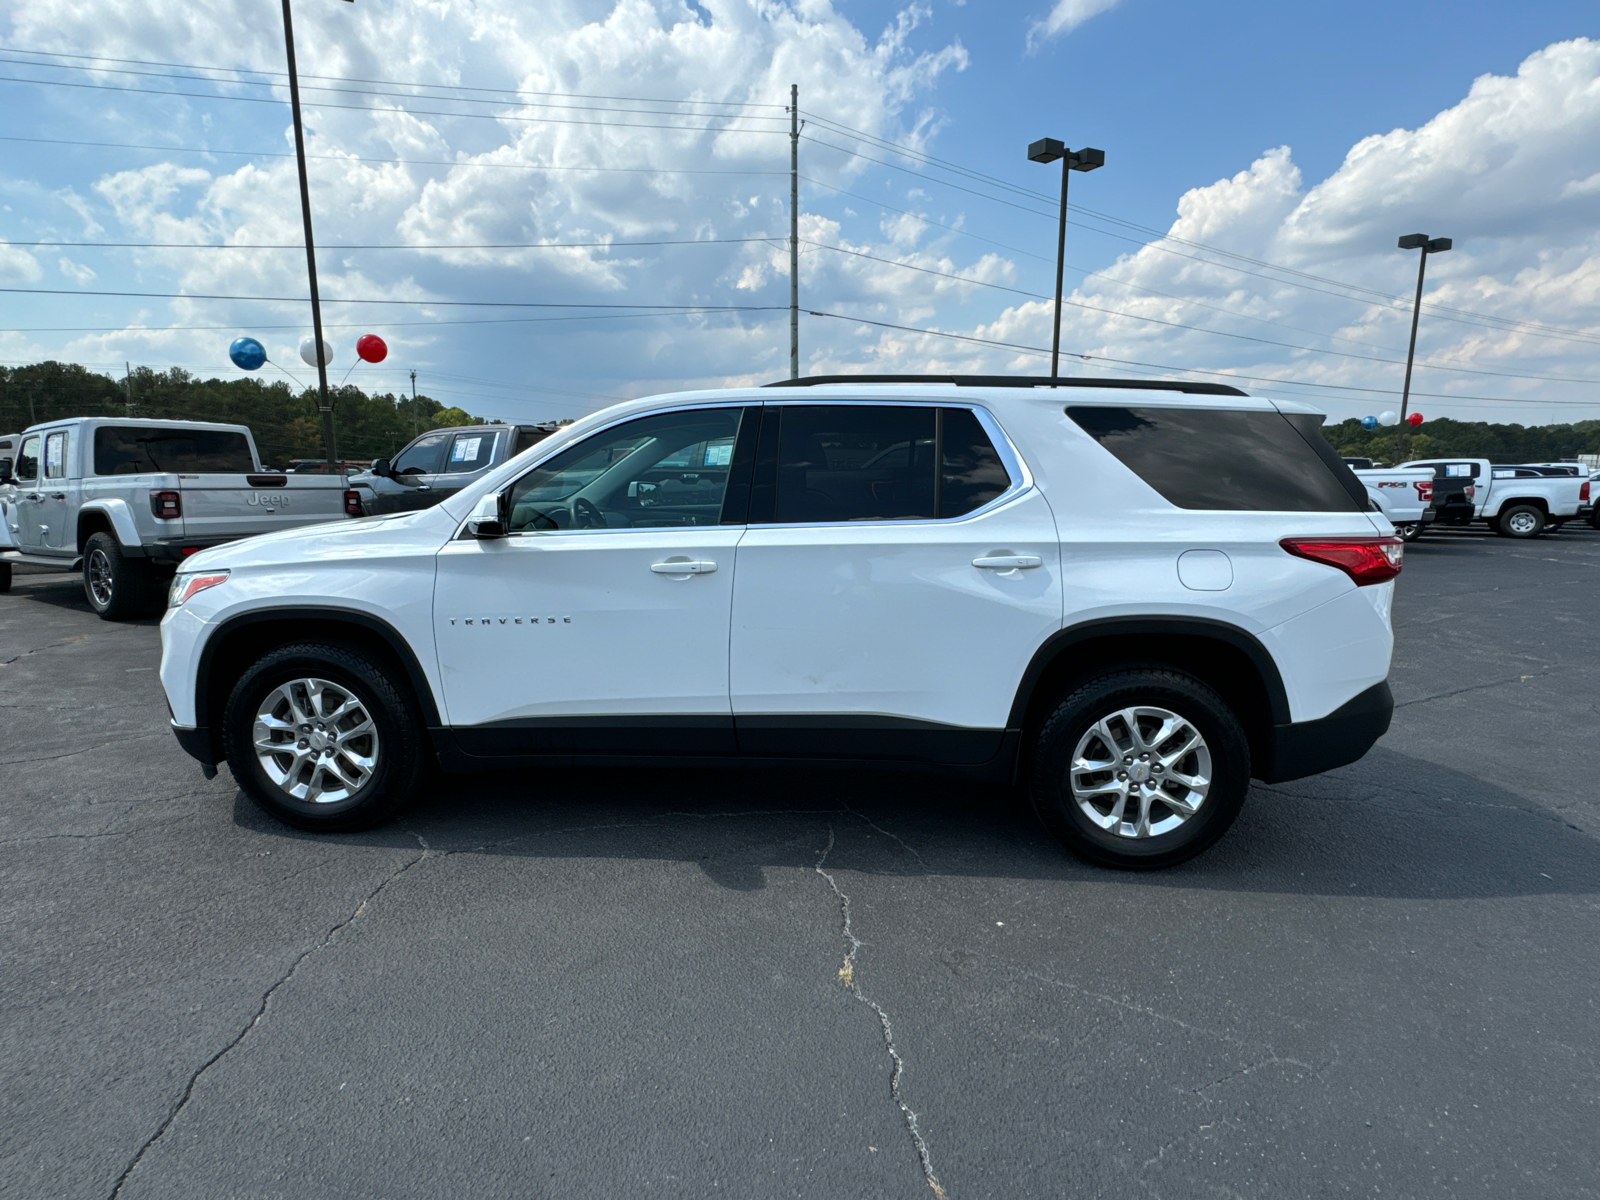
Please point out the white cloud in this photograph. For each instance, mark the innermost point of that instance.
(17, 265)
(1064, 17)
(79, 274)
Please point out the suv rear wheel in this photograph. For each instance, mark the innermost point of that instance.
(318, 736)
(1140, 768)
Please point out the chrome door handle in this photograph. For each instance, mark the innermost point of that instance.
(1009, 562)
(424, 487)
(58, 495)
(683, 567)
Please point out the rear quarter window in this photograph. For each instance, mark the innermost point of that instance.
(1226, 459)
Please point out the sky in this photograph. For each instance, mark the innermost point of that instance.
(546, 208)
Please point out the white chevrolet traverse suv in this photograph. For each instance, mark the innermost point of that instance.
(1130, 597)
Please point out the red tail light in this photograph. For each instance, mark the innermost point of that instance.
(1424, 491)
(166, 505)
(1583, 492)
(1365, 559)
(1469, 491)
(352, 503)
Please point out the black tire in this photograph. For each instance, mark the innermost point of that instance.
(1520, 521)
(1100, 699)
(1411, 532)
(401, 739)
(116, 586)
(1594, 518)
(5, 578)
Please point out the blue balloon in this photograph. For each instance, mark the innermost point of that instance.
(1366, 422)
(247, 354)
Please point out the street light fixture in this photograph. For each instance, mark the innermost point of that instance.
(1047, 150)
(1417, 241)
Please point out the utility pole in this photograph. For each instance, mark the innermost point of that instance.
(416, 418)
(1047, 150)
(325, 405)
(794, 230)
(127, 380)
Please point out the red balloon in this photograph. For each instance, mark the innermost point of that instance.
(1414, 419)
(371, 348)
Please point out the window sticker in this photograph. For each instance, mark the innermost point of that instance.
(718, 454)
(55, 447)
(466, 449)
(1456, 470)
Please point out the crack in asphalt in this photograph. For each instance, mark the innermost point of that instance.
(261, 1011)
(77, 637)
(847, 977)
(1474, 687)
(137, 737)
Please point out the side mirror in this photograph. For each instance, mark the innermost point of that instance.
(381, 468)
(487, 520)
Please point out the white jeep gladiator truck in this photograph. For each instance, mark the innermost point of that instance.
(126, 500)
(1404, 496)
(1514, 501)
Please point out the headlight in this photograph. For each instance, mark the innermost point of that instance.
(185, 586)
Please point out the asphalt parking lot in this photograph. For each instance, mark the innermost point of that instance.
(1383, 982)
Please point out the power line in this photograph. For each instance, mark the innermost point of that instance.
(389, 245)
(1192, 328)
(1040, 351)
(389, 82)
(404, 162)
(422, 303)
(412, 112)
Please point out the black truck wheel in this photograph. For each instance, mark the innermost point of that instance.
(116, 586)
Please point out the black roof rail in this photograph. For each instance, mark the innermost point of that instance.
(1022, 381)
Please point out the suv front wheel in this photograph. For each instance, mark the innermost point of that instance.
(318, 736)
(1140, 768)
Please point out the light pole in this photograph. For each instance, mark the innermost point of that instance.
(1047, 150)
(325, 405)
(1417, 241)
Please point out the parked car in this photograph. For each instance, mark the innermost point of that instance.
(1404, 497)
(1513, 501)
(440, 463)
(1130, 596)
(125, 500)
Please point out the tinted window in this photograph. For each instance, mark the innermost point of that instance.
(528, 437)
(471, 451)
(662, 470)
(973, 474)
(28, 460)
(855, 462)
(127, 450)
(421, 457)
(1219, 459)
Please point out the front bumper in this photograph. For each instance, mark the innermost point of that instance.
(1344, 735)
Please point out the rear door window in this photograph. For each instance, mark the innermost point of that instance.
(471, 451)
(55, 455)
(1227, 459)
(130, 450)
(855, 462)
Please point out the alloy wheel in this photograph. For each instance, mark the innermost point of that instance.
(1140, 772)
(100, 577)
(316, 740)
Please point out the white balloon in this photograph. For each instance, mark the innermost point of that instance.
(308, 351)
(1387, 418)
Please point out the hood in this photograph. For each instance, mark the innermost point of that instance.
(354, 538)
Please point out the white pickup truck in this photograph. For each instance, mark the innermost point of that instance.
(1404, 496)
(126, 500)
(1513, 501)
